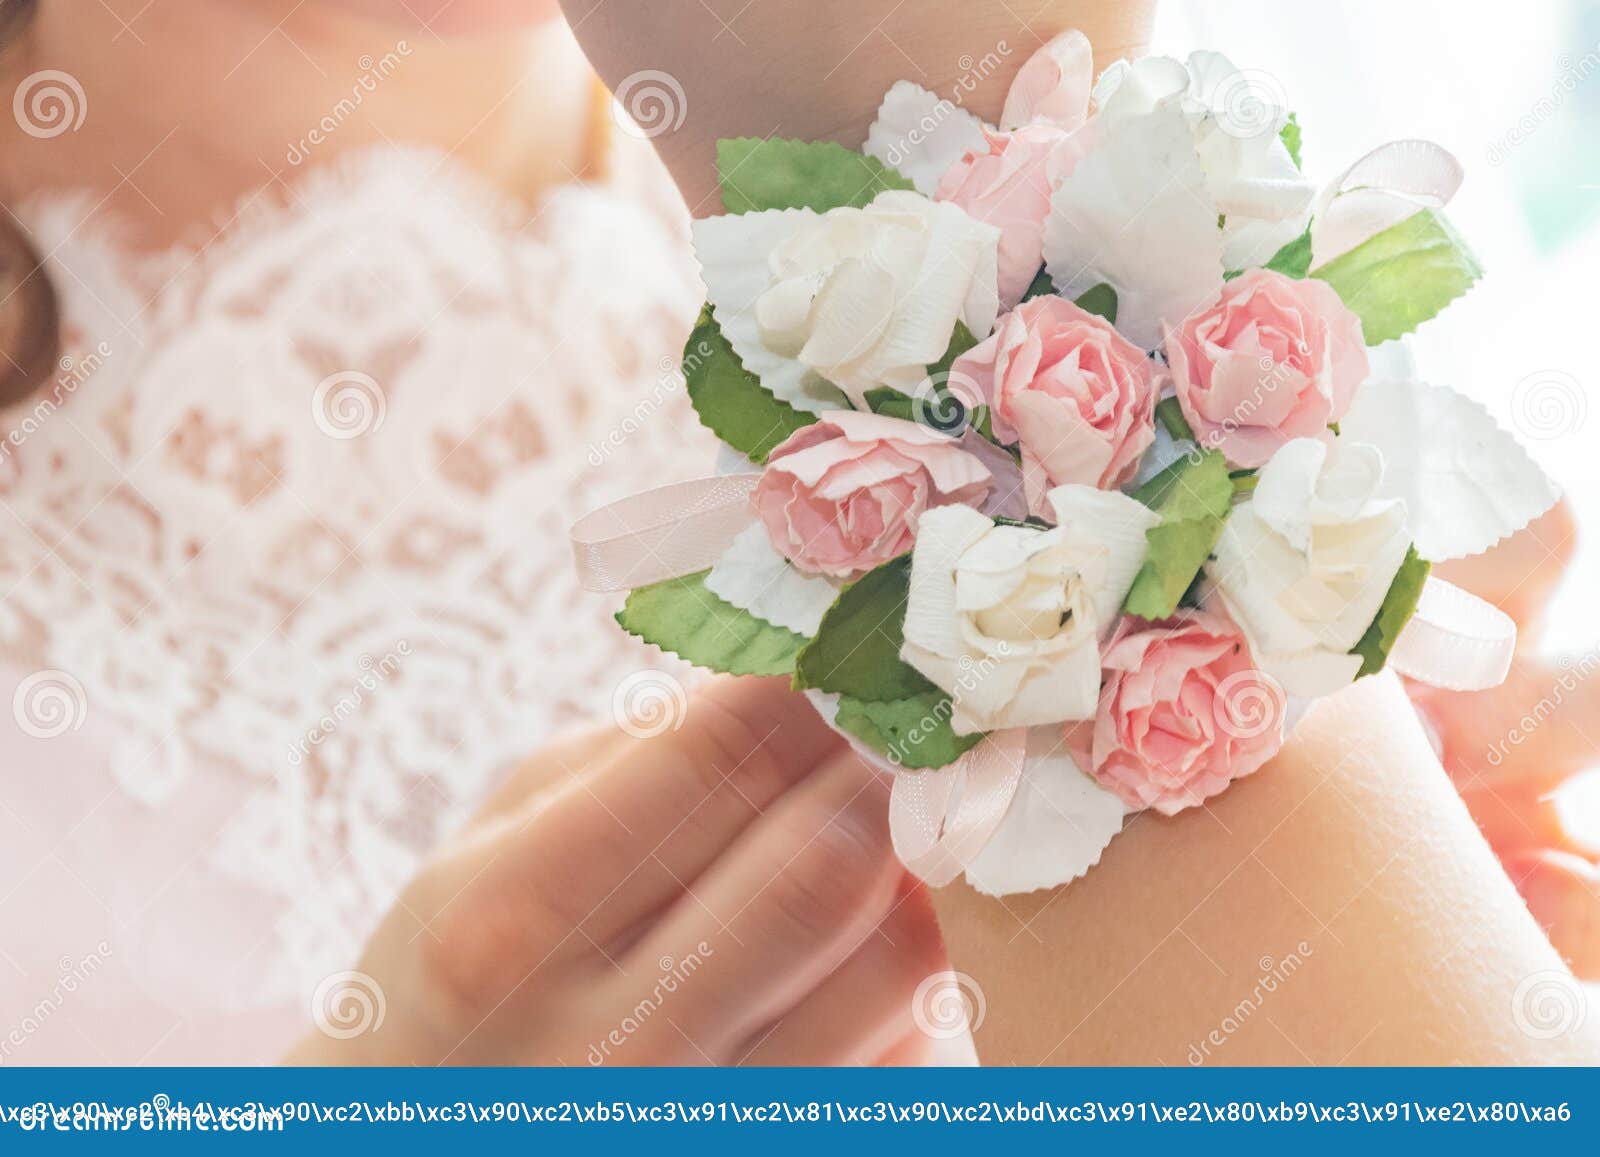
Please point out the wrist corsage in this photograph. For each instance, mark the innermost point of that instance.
(1067, 460)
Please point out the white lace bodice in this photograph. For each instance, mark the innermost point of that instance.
(292, 524)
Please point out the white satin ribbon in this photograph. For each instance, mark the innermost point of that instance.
(940, 820)
(1455, 640)
(663, 533)
(1380, 190)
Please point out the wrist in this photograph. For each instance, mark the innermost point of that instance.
(1347, 858)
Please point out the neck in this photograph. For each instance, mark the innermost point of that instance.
(192, 105)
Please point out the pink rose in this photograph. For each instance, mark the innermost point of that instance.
(1076, 394)
(1183, 712)
(1274, 359)
(1009, 187)
(842, 495)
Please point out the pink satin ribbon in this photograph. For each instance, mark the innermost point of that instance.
(940, 820)
(663, 533)
(1455, 640)
(1383, 188)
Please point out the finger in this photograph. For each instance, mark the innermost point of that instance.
(624, 841)
(919, 1050)
(564, 759)
(866, 1007)
(1533, 731)
(1563, 893)
(1514, 820)
(1519, 573)
(781, 910)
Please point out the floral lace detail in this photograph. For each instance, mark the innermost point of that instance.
(295, 512)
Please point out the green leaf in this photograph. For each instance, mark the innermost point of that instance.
(1294, 259)
(1396, 611)
(1289, 134)
(857, 648)
(774, 173)
(1169, 412)
(1097, 299)
(1100, 299)
(1193, 496)
(961, 340)
(914, 733)
(680, 615)
(1402, 277)
(1039, 286)
(891, 403)
(731, 401)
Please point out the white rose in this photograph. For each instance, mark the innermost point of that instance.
(854, 297)
(1304, 566)
(1235, 117)
(1008, 619)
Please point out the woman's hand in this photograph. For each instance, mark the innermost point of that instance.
(1509, 749)
(723, 893)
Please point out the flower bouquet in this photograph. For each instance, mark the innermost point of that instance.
(1067, 460)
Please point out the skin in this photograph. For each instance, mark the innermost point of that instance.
(1510, 750)
(1352, 843)
(251, 77)
(745, 855)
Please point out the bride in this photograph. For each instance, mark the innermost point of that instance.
(323, 322)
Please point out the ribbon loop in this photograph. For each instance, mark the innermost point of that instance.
(663, 533)
(1455, 640)
(940, 820)
(1383, 188)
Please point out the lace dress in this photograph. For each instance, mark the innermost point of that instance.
(284, 582)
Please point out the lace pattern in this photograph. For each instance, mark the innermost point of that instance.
(294, 516)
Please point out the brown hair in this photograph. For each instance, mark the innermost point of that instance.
(30, 318)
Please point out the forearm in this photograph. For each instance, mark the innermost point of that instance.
(1336, 907)
(817, 70)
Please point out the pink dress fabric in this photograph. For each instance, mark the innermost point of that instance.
(284, 581)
